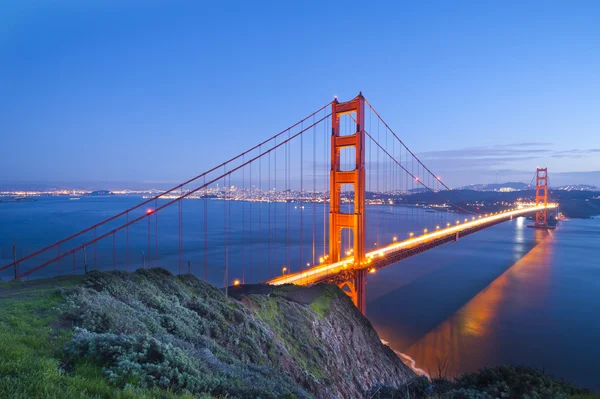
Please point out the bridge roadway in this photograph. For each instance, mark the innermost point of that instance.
(397, 251)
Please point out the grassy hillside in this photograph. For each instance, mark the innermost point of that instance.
(150, 334)
(32, 339)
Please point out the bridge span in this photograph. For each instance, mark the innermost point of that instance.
(343, 271)
(344, 154)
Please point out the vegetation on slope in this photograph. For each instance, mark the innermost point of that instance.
(151, 334)
(32, 361)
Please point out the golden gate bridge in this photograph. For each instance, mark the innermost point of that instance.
(309, 197)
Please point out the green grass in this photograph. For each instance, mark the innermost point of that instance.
(31, 342)
(322, 303)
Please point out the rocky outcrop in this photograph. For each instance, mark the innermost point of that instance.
(176, 332)
(334, 351)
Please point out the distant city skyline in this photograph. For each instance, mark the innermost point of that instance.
(105, 93)
(560, 180)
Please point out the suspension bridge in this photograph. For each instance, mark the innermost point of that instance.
(332, 198)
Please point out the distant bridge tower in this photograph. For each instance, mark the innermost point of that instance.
(541, 197)
(355, 222)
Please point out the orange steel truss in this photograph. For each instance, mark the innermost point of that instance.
(541, 196)
(355, 221)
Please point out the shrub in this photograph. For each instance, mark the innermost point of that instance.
(152, 329)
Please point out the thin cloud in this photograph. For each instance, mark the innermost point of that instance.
(525, 144)
(506, 152)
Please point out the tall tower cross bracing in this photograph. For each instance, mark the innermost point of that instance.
(541, 196)
(355, 221)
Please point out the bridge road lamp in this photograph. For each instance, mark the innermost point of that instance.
(283, 270)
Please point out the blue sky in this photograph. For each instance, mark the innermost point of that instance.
(146, 92)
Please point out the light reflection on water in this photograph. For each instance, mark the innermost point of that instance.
(507, 295)
(474, 324)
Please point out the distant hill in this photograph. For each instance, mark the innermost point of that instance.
(518, 186)
(508, 186)
(578, 187)
(98, 193)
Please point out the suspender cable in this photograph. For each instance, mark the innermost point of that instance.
(301, 200)
(314, 194)
(260, 232)
(205, 231)
(250, 233)
(269, 268)
(244, 200)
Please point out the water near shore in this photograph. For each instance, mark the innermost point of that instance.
(508, 294)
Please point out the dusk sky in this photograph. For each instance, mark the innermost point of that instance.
(155, 93)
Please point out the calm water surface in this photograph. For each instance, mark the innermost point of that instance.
(508, 294)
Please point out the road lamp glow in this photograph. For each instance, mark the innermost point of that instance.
(236, 282)
(424, 231)
(283, 270)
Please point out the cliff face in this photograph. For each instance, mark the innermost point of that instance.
(150, 328)
(333, 349)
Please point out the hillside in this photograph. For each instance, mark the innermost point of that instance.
(147, 333)
(150, 334)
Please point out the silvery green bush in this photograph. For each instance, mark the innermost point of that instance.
(152, 329)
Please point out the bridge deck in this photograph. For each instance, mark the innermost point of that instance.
(401, 250)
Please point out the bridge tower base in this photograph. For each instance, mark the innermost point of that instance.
(355, 221)
(355, 288)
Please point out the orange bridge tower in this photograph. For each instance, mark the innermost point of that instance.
(354, 284)
(541, 197)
